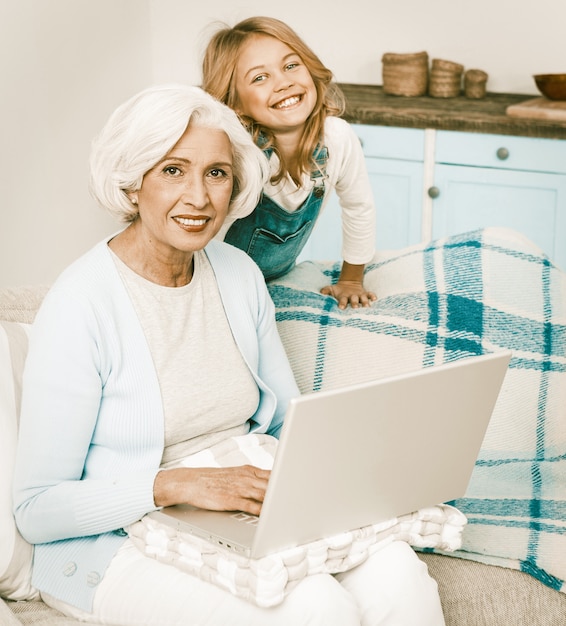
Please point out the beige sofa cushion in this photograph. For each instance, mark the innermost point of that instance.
(15, 553)
(475, 594)
(20, 304)
(36, 614)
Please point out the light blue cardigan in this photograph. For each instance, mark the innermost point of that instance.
(91, 433)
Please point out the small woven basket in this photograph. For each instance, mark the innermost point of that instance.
(475, 84)
(405, 74)
(445, 79)
(447, 66)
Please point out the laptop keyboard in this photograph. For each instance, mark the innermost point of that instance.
(246, 518)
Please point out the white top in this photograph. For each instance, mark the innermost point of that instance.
(207, 390)
(347, 175)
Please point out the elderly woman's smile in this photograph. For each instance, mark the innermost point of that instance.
(188, 191)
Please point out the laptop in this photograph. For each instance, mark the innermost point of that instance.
(362, 454)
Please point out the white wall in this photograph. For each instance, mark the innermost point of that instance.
(502, 37)
(66, 64)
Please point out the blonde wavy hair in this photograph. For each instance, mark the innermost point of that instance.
(218, 73)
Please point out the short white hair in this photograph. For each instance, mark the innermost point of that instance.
(145, 128)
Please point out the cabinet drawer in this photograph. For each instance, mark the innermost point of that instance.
(391, 143)
(501, 151)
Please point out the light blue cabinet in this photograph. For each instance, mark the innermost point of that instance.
(397, 188)
(430, 184)
(496, 180)
(394, 159)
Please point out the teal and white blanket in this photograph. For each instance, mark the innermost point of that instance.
(453, 298)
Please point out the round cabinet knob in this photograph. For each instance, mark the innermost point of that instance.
(502, 154)
(433, 192)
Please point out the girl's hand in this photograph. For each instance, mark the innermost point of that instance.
(349, 292)
(217, 489)
(350, 289)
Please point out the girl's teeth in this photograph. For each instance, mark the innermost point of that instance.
(287, 102)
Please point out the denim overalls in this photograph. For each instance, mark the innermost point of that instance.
(274, 237)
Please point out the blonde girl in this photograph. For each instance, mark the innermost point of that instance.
(288, 101)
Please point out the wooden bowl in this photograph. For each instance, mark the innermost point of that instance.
(553, 86)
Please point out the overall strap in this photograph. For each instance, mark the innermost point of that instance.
(319, 175)
(320, 157)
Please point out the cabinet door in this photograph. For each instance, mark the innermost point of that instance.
(397, 189)
(533, 203)
(394, 159)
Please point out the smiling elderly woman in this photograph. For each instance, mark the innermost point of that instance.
(158, 343)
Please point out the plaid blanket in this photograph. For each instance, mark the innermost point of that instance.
(450, 299)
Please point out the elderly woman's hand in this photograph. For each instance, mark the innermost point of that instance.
(217, 489)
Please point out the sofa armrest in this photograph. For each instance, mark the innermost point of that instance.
(20, 304)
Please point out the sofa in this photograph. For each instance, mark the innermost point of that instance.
(439, 301)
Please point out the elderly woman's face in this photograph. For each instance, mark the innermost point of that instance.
(184, 199)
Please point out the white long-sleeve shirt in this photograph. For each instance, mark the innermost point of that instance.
(347, 175)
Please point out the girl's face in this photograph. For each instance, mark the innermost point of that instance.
(184, 199)
(273, 85)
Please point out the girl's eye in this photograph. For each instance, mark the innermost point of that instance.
(292, 66)
(259, 79)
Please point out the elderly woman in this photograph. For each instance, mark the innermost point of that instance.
(156, 344)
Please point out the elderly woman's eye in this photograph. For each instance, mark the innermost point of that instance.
(218, 173)
(172, 170)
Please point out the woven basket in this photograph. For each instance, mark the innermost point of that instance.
(445, 79)
(447, 66)
(475, 83)
(405, 74)
(444, 86)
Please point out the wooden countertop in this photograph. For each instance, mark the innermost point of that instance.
(367, 104)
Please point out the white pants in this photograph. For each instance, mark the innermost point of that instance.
(391, 588)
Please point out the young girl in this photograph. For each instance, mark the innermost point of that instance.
(286, 98)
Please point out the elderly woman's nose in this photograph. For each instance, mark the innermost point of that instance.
(194, 192)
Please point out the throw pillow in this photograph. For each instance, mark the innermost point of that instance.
(15, 553)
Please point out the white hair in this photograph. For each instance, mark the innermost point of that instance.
(145, 128)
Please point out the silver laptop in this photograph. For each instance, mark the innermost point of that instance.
(363, 454)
